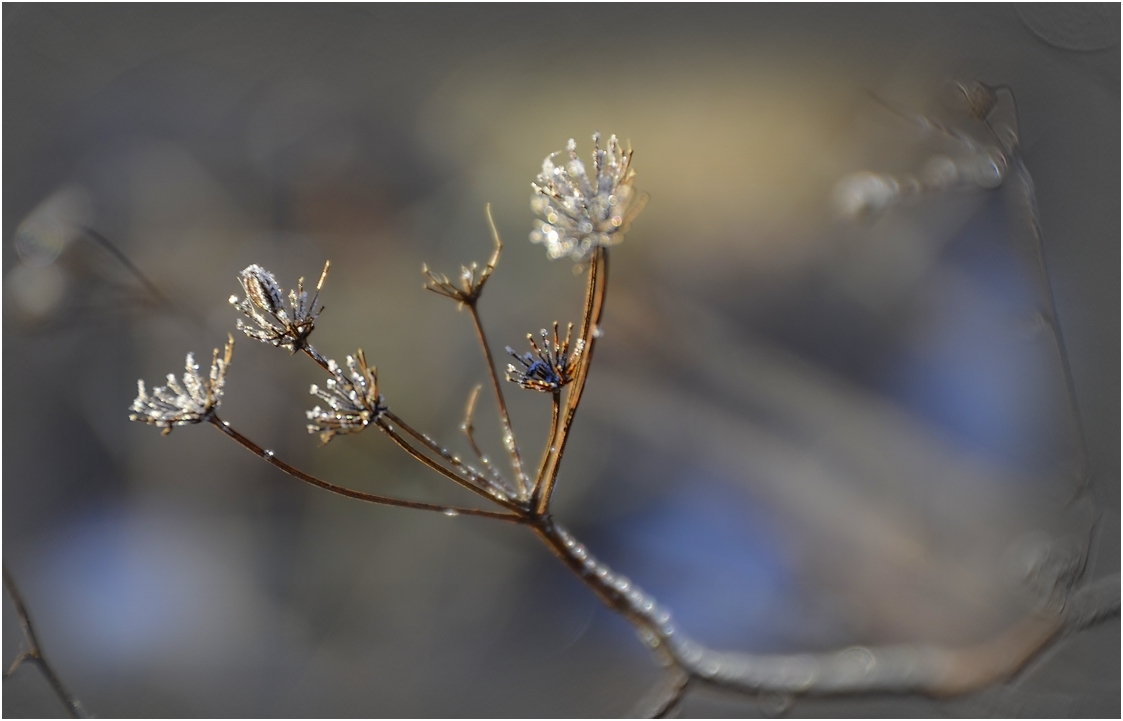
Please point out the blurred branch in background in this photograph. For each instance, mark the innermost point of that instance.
(34, 653)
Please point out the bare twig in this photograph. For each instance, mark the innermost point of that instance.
(123, 259)
(34, 652)
(470, 484)
(663, 700)
(548, 452)
(458, 467)
(470, 431)
(1049, 312)
(271, 458)
(509, 440)
(590, 331)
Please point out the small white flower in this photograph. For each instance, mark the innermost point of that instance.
(353, 401)
(193, 401)
(264, 305)
(582, 213)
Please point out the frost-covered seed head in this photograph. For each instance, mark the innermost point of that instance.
(264, 306)
(352, 398)
(550, 366)
(193, 401)
(583, 213)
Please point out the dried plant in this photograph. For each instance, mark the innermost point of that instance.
(583, 216)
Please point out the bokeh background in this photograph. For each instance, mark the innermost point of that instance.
(800, 433)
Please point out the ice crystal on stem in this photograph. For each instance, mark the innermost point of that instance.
(583, 213)
(551, 366)
(178, 404)
(264, 305)
(353, 399)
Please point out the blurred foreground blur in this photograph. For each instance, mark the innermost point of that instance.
(801, 433)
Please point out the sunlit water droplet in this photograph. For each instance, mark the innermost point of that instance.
(451, 512)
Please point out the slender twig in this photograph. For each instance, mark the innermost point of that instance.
(547, 453)
(1029, 197)
(316, 356)
(123, 259)
(590, 330)
(152, 289)
(271, 458)
(34, 652)
(470, 432)
(663, 700)
(510, 442)
(405, 445)
(470, 474)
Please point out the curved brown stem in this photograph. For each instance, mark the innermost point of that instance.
(271, 458)
(594, 309)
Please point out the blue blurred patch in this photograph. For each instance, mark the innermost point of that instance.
(714, 557)
(979, 373)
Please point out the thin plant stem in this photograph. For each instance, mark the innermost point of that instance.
(470, 432)
(509, 440)
(664, 699)
(123, 259)
(447, 473)
(1030, 199)
(470, 474)
(34, 652)
(594, 309)
(149, 286)
(316, 356)
(272, 459)
(555, 414)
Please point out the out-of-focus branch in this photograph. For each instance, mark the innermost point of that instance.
(663, 700)
(34, 652)
(925, 669)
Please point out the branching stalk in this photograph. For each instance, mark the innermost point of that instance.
(272, 459)
(594, 308)
(470, 432)
(405, 445)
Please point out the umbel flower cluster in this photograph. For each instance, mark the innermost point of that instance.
(550, 367)
(178, 404)
(583, 213)
(264, 305)
(353, 399)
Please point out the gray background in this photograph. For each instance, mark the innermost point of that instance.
(800, 433)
